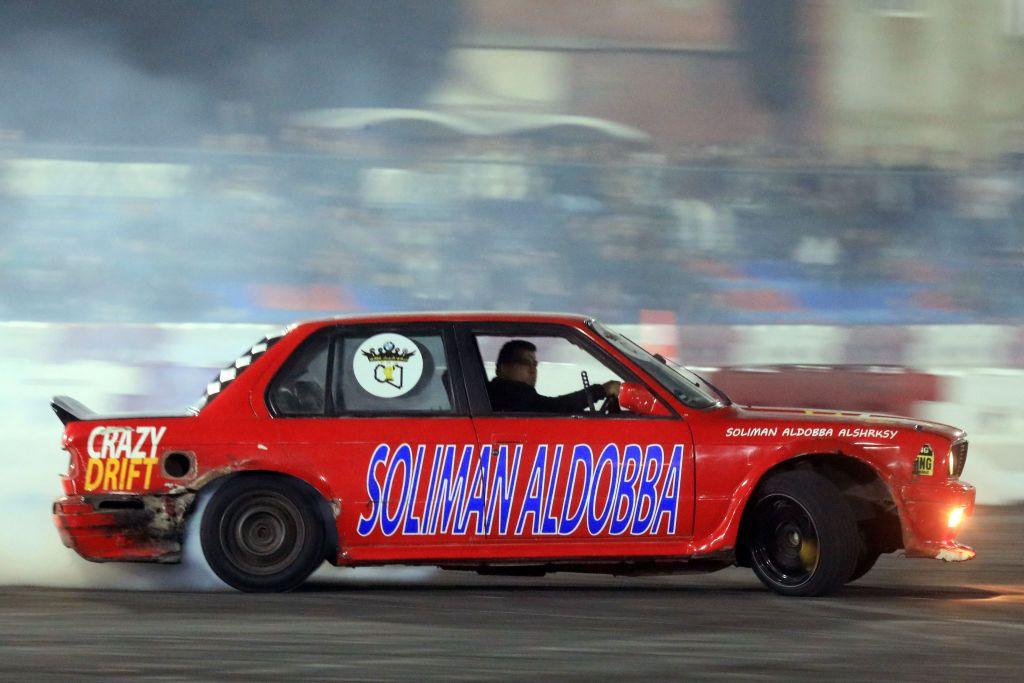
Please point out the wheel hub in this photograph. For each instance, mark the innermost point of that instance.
(785, 541)
(262, 533)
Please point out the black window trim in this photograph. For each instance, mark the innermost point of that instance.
(445, 330)
(475, 378)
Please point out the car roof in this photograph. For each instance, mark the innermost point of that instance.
(449, 316)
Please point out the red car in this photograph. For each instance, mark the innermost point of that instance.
(503, 444)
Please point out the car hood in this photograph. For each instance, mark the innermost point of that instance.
(844, 419)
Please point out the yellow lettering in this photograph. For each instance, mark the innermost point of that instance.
(148, 462)
(93, 473)
(133, 473)
(110, 475)
(124, 470)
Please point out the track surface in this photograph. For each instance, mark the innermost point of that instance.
(907, 619)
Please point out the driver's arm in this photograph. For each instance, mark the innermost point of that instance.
(577, 401)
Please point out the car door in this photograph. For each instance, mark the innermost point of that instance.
(585, 484)
(379, 413)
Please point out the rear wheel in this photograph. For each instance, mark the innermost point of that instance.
(260, 533)
(802, 537)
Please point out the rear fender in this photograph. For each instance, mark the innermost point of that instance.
(328, 505)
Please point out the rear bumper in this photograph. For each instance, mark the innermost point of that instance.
(123, 527)
(925, 513)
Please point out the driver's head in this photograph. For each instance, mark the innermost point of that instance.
(517, 361)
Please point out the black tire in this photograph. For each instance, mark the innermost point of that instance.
(865, 561)
(802, 535)
(261, 533)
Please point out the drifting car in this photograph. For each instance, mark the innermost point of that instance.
(372, 441)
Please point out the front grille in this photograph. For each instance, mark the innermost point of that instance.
(959, 454)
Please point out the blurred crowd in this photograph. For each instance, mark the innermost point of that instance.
(260, 235)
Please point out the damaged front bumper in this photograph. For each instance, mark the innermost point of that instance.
(123, 527)
(928, 512)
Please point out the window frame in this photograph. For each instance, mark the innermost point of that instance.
(460, 402)
(475, 376)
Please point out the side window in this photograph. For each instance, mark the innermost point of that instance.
(299, 389)
(543, 374)
(391, 372)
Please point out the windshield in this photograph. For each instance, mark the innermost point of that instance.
(688, 387)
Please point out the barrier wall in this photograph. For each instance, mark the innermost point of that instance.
(969, 376)
(919, 346)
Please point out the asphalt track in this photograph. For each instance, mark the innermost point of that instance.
(907, 619)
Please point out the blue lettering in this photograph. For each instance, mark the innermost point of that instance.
(451, 489)
(534, 502)
(627, 490)
(379, 457)
(596, 522)
(412, 522)
(477, 503)
(402, 456)
(669, 503)
(430, 501)
(503, 487)
(550, 525)
(581, 454)
(647, 495)
(639, 493)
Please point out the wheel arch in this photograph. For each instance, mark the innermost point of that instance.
(327, 507)
(862, 486)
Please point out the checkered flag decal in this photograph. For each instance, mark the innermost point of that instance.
(231, 372)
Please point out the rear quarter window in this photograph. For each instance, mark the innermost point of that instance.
(300, 386)
(391, 373)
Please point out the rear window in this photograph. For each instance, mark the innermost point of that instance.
(391, 373)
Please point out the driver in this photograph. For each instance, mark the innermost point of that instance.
(512, 389)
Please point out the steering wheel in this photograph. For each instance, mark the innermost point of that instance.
(609, 406)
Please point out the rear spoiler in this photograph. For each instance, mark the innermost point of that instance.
(70, 410)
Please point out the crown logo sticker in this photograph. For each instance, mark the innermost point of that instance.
(388, 353)
(388, 365)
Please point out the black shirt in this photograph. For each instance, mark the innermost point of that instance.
(509, 396)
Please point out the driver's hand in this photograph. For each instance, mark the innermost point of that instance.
(611, 388)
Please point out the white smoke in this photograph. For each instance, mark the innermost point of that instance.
(34, 555)
(36, 365)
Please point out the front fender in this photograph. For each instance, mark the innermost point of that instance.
(725, 534)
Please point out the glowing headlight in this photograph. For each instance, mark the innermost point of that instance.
(956, 517)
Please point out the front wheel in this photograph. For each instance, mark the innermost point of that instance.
(865, 561)
(260, 533)
(803, 537)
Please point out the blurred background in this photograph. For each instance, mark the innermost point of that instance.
(736, 183)
(724, 161)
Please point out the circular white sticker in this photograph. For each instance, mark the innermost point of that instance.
(388, 365)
